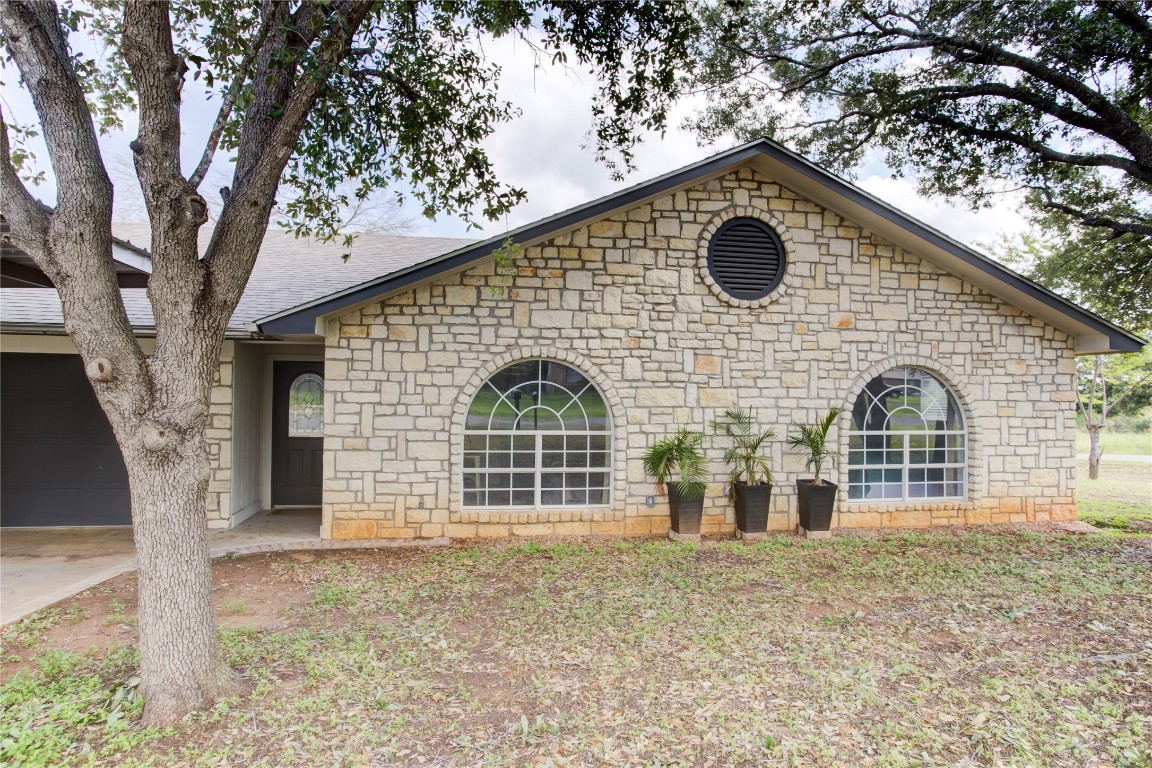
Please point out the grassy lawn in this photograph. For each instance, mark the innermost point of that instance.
(1118, 443)
(1120, 498)
(999, 648)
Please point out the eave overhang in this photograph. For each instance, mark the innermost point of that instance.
(1092, 333)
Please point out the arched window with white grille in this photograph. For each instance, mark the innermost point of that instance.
(537, 434)
(908, 440)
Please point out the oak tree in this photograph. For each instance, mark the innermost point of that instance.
(974, 96)
(311, 96)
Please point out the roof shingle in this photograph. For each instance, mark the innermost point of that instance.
(289, 271)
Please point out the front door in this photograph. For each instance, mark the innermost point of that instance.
(297, 433)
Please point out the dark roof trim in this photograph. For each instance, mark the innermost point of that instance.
(302, 319)
(1123, 339)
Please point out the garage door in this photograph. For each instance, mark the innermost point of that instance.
(59, 463)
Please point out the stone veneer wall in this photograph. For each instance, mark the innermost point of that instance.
(629, 302)
(219, 437)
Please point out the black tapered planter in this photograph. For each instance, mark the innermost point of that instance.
(752, 503)
(816, 504)
(686, 513)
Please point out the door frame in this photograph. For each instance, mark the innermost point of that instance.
(267, 417)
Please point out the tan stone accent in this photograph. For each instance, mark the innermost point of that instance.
(626, 301)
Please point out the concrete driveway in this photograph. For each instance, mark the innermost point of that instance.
(41, 566)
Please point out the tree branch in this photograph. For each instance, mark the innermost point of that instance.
(27, 219)
(78, 257)
(1132, 388)
(159, 77)
(1095, 220)
(1133, 137)
(37, 44)
(271, 129)
(226, 106)
(1128, 14)
(1043, 151)
(1010, 93)
(401, 84)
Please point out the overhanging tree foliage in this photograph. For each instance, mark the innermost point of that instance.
(313, 94)
(1109, 276)
(973, 96)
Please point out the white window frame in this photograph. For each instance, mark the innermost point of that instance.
(537, 470)
(906, 466)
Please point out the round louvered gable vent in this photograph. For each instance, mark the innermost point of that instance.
(746, 258)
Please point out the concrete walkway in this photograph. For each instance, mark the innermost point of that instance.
(41, 566)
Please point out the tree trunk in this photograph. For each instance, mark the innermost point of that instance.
(1095, 451)
(158, 406)
(181, 669)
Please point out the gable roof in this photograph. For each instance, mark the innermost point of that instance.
(1092, 333)
(288, 271)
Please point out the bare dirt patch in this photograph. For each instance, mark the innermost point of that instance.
(989, 647)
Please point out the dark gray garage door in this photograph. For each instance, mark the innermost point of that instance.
(59, 463)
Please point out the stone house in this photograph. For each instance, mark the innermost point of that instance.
(425, 391)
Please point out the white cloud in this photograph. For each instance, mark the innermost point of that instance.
(986, 225)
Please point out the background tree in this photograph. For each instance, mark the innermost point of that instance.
(312, 94)
(1106, 382)
(1107, 385)
(974, 97)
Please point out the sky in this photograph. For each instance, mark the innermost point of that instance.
(543, 151)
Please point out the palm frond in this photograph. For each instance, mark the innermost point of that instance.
(812, 441)
(679, 455)
(749, 465)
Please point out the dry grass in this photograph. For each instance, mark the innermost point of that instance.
(1006, 648)
(1121, 498)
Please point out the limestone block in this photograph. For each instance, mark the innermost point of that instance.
(659, 397)
(413, 361)
(493, 531)
(402, 333)
(1044, 478)
(890, 311)
(708, 364)
(718, 398)
(606, 229)
(947, 284)
(357, 461)
(428, 450)
(662, 278)
(577, 280)
(545, 318)
(460, 530)
(344, 530)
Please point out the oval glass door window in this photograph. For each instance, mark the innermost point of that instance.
(306, 406)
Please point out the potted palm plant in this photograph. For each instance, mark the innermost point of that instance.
(817, 497)
(750, 481)
(678, 463)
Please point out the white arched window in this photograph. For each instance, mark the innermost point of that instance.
(537, 434)
(908, 440)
